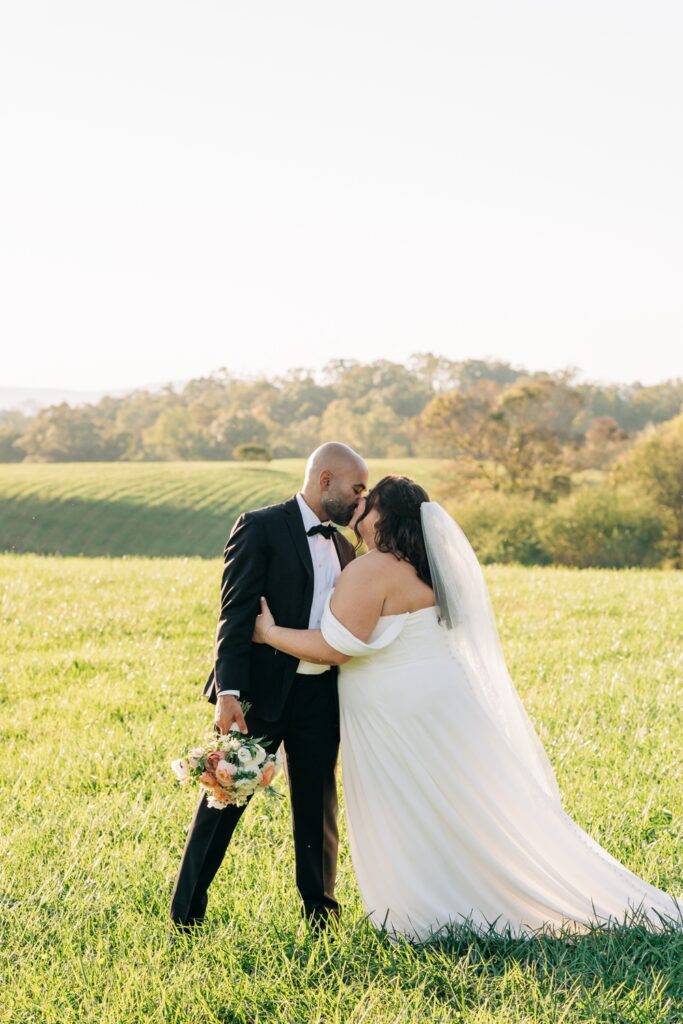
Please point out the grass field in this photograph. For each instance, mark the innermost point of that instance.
(160, 508)
(102, 661)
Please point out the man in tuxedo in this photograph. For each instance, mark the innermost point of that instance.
(291, 554)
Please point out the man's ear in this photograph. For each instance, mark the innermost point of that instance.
(325, 479)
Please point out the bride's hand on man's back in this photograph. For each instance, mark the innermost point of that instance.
(264, 620)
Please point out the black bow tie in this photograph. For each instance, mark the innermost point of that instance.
(327, 531)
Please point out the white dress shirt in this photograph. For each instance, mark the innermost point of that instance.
(326, 569)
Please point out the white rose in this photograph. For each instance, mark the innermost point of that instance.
(194, 756)
(244, 755)
(180, 767)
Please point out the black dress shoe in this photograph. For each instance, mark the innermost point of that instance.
(190, 927)
(320, 920)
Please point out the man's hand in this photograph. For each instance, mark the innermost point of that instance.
(229, 711)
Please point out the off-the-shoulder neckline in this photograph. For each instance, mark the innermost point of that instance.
(400, 615)
(396, 615)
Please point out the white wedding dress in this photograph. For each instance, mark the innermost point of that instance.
(446, 823)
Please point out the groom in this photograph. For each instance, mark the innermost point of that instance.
(291, 554)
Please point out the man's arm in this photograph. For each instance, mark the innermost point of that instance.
(243, 582)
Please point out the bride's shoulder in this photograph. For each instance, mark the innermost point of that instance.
(371, 566)
(359, 594)
(371, 561)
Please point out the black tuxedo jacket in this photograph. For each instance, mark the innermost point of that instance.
(267, 554)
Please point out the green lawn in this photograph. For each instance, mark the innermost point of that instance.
(101, 664)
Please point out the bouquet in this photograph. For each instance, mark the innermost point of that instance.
(229, 768)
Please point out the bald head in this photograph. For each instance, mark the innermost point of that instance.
(335, 481)
(334, 456)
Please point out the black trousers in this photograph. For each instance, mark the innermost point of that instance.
(309, 727)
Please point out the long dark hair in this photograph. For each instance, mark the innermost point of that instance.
(398, 529)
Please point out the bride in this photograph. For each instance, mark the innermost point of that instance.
(453, 810)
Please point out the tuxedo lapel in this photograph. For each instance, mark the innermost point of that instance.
(295, 525)
(345, 556)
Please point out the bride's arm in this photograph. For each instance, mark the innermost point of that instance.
(304, 644)
(357, 603)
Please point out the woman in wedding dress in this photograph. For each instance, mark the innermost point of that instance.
(453, 810)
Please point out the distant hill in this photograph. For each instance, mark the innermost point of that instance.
(32, 400)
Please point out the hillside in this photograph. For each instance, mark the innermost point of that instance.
(154, 509)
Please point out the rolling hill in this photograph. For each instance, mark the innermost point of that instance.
(157, 509)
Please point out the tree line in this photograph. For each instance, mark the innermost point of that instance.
(432, 406)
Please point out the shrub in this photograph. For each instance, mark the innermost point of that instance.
(251, 453)
(655, 465)
(504, 528)
(605, 528)
(597, 526)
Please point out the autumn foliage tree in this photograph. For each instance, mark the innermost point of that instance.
(516, 438)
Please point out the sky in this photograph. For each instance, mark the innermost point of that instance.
(265, 185)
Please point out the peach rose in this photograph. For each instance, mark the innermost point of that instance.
(216, 801)
(214, 757)
(208, 779)
(224, 773)
(268, 774)
(217, 792)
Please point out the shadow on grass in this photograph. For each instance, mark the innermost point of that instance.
(618, 961)
(77, 526)
(622, 972)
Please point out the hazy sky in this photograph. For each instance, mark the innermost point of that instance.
(262, 185)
